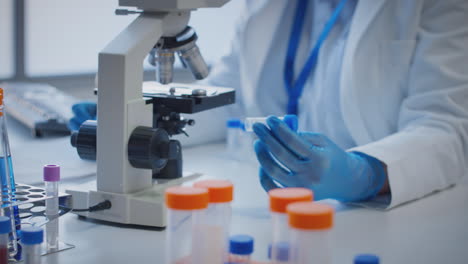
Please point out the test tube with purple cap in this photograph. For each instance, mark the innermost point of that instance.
(51, 180)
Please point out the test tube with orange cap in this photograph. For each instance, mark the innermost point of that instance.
(218, 218)
(310, 224)
(279, 200)
(186, 212)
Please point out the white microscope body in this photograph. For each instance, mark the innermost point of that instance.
(122, 108)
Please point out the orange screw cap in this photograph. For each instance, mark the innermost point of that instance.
(186, 198)
(219, 191)
(280, 198)
(310, 216)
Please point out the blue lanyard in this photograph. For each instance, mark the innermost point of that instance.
(294, 89)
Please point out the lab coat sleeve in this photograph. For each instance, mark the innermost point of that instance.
(430, 150)
(211, 125)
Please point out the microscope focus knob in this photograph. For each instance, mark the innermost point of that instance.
(84, 140)
(149, 148)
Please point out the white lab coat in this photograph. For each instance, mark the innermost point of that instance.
(404, 85)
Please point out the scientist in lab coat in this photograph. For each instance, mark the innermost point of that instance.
(380, 88)
(385, 106)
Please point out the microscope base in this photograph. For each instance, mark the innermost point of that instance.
(145, 208)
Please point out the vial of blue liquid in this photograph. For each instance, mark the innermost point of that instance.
(7, 182)
(241, 248)
(366, 259)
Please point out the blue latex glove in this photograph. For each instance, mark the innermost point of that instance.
(83, 111)
(313, 161)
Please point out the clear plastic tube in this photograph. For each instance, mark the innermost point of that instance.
(52, 211)
(290, 120)
(184, 234)
(310, 246)
(32, 254)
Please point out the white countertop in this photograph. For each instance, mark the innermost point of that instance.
(430, 230)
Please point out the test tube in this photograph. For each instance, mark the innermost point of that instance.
(279, 200)
(240, 249)
(5, 229)
(234, 137)
(31, 239)
(186, 214)
(366, 259)
(309, 232)
(290, 120)
(51, 180)
(218, 219)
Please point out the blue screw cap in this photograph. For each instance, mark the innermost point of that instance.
(234, 123)
(282, 251)
(241, 244)
(5, 225)
(366, 259)
(291, 121)
(32, 235)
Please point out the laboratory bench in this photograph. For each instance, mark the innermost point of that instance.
(429, 230)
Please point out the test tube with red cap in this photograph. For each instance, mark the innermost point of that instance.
(218, 218)
(5, 229)
(186, 207)
(310, 224)
(279, 200)
(51, 180)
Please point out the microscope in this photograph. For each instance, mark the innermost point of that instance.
(131, 140)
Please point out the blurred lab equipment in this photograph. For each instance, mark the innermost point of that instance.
(234, 139)
(5, 229)
(7, 180)
(309, 225)
(241, 248)
(282, 252)
(186, 216)
(366, 259)
(131, 141)
(279, 200)
(51, 180)
(40, 107)
(314, 161)
(218, 218)
(290, 120)
(31, 240)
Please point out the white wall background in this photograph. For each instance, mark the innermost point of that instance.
(65, 36)
(6, 39)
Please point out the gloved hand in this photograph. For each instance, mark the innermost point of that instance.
(313, 161)
(83, 111)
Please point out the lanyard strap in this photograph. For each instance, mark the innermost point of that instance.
(294, 89)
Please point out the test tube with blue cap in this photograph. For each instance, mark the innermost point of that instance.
(5, 229)
(51, 180)
(31, 239)
(290, 120)
(241, 248)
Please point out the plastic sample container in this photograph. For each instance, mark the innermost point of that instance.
(5, 229)
(366, 259)
(186, 216)
(218, 217)
(51, 180)
(241, 248)
(282, 252)
(290, 120)
(31, 239)
(310, 224)
(279, 200)
(234, 138)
